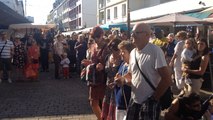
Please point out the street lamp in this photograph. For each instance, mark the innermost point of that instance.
(128, 20)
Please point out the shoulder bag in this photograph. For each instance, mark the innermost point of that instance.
(166, 99)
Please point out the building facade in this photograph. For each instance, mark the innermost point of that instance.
(73, 14)
(115, 11)
(15, 5)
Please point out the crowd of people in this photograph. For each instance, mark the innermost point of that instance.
(23, 57)
(118, 70)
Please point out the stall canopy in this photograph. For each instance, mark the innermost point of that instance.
(9, 16)
(31, 25)
(176, 19)
(200, 15)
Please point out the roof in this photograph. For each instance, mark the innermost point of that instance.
(200, 15)
(9, 16)
(177, 6)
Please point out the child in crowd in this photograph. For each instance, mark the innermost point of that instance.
(186, 57)
(65, 66)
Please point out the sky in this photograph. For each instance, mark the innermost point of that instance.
(39, 9)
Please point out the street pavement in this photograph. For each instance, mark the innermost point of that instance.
(48, 99)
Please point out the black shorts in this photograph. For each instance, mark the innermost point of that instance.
(5, 63)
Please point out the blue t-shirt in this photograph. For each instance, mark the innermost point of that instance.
(119, 96)
(170, 48)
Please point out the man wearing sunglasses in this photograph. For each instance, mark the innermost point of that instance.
(148, 59)
(186, 108)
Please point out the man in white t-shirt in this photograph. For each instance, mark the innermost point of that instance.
(151, 60)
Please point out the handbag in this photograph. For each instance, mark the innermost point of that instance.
(167, 98)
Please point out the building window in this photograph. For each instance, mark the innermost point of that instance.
(79, 21)
(79, 8)
(123, 9)
(108, 14)
(101, 3)
(115, 12)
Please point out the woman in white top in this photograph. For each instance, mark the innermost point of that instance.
(176, 59)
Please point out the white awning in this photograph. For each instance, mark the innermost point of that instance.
(168, 8)
(31, 25)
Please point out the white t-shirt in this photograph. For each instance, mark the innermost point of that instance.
(178, 50)
(65, 62)
(7, 51)
(187, 54)
(150, 58)
(58, 48)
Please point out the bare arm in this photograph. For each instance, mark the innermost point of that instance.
(171, 113)
(128, 77)
(125, 79)
(202, 68)
(165, 82)
(77, 47)
(12, 51)
(172, 60)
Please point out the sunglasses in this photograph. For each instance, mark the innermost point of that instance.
(138, 32)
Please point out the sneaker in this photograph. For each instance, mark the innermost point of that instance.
(9, 80)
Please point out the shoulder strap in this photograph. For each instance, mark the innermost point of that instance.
(3, 48)
(146, 79)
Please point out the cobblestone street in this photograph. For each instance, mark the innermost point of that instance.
(48, 99)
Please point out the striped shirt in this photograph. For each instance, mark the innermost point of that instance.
(7, 51)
